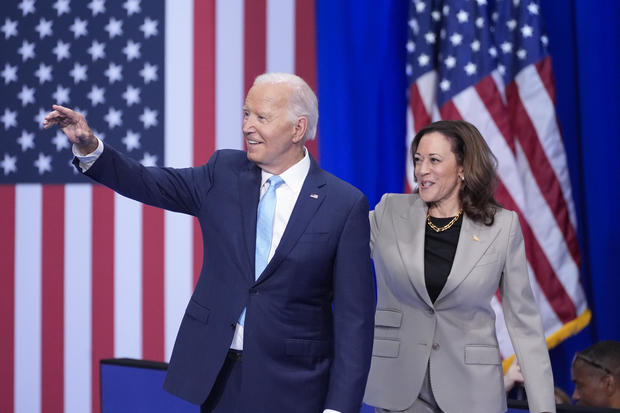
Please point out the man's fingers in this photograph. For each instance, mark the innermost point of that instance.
(65, 111)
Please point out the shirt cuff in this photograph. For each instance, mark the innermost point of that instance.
(330, 411)
(86, 161)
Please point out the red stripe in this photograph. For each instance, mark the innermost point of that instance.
(152, 283)
(204, 99)
(7, 296)
(421, 117)
(102, 284)
(305, 54)
(554, 291)
(492, 99)
(545, 177)
(254, 41)
(52, 299)
(545, 71)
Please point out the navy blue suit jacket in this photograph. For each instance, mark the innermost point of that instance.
(309, 324)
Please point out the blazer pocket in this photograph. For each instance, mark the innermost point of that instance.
(388, 318)
(197, 311)
(307, 348)
(314, 237)
(482, 354)
(382, 347)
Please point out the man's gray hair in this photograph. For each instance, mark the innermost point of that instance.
(302, 100)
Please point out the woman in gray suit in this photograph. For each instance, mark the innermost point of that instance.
(440, 255)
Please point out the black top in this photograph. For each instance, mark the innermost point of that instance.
(439, 251)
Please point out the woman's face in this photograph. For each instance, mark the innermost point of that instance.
(437, 172)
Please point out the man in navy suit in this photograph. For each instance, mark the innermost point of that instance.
(297, 335)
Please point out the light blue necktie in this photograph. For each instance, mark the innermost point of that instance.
(264, 229)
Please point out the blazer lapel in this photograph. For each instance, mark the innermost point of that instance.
(410, 230)
(305, 208)
(249, 194)
(474, 240)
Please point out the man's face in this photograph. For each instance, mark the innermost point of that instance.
(271, 136)
(589, 384)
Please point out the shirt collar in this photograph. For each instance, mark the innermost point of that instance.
(294, 176)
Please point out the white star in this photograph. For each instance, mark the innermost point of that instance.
(481, 2)
(26, 140)
(480, 22)
(456, 39)
(62, 6)
(444, 85)
(532, 8)
(423, 59)
(493, 51)
(501, 69)
(27, 7)
(44, 73)
(61, 95)
(149, 28)
(114, 27)
(9, 28)
(462, 16)
(38, 118)
(527, 31)
(78, 28)
(78, 73)
(446, 10)
(100, 135)
(430, 37)
(148, 117)
(9, 118)
(506, 47)
(475, 45)
(516, 2)
(132, 6)
(96, 50)
(413, 23)
(420, 6)
(436, 15)
(494, 16)
(113, 117)
(9, 73)
(114, 72)
(408, 69)
(544, 40)
(9, 164)
(44, 28)
(61, 50)
(43, 163)
(149, 73)
(131, 95)
(26, 95)
(149, 160)
(97, 6)
(60, 141)
(410, 46)
(132, 50)
(96, 95)
(470, 68)
(131, 140)
(450, 62)
(26, 50)
(512, 23)
(521, 54)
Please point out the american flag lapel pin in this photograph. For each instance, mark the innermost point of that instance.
(476, 238)
(314, 196)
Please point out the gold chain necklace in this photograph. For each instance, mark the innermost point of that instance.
(445, 227)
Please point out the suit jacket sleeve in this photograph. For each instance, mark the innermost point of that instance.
(524, 324)
(354, 308)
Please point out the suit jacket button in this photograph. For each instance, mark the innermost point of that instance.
(435, 346)
(254, 291)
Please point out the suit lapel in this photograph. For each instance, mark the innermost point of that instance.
(305, 208)
(410, 230)
(249, 194)
(474, 240)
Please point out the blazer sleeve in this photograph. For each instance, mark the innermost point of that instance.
(524, 323)
(179, 190)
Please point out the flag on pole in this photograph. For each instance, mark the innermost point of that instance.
(486, 62)
(87, 274)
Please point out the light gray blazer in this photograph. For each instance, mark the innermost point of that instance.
(455, 336)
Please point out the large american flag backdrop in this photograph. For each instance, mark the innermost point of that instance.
(86, 274)
(486, 62)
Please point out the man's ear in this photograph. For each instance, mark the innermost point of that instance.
(610, 385)
(299, 129)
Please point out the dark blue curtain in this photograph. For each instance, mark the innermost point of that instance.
(361, 59)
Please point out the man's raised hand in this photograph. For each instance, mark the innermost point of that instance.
(74, 126)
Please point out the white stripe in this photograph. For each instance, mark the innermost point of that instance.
(281, 36)
(228, 73)
(77, 297)
(427, 86)
(179, 114)
(540, 109)
(127, 278)
(28, 250)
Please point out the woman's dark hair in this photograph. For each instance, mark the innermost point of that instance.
(478, 162)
